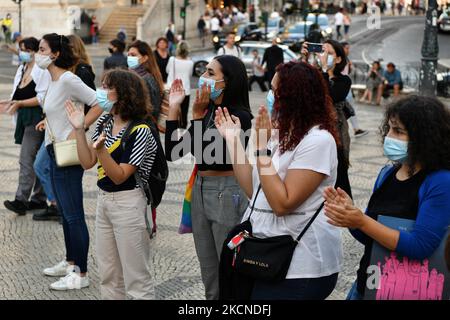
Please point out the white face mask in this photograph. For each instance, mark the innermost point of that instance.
(42, 61)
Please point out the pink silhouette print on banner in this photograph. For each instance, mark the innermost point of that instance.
(409, 280)
(412, 289)
(424, 274)
(440, 286)
(400, 282)
(432, 285)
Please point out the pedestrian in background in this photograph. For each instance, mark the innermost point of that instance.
(181, 67)
(94, 30)
(117, 58)
(230, 47)
(273, 56)
(162, 56)
(257, 72)
(347, 22)
(201, 27)
(338, 22)
(7, 28)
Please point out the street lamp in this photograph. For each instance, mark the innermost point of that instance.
(430, 50)
(19, 2)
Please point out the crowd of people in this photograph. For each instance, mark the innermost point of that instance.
(297, 179)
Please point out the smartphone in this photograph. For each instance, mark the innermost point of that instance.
(315, 47)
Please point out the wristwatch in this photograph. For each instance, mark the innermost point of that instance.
(263, 152)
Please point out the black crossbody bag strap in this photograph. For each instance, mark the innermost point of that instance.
(304, 229)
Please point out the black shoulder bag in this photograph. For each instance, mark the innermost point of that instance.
(266, 259)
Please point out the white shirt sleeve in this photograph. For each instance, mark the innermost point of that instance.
(42, 80)
(169, 70)
(316, 152)
(16, 80)
(81, 92)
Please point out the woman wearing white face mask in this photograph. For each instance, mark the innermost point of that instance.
(56, 55)
(30, 85)
(122, 241)
(415, 187)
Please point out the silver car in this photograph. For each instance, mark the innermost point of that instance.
(200, 61)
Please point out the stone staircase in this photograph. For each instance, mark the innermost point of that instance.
(125, 17)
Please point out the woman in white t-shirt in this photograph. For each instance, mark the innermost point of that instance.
(181, 67)
(303, 163)
(56, 55)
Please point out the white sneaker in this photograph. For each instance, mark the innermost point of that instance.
(71, 281)
(59, 270)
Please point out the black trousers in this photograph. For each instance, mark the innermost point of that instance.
(184, 112)
(259, 80)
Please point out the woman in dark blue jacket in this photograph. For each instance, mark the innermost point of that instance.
(415, 187)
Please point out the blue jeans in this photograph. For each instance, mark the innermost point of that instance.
(42, 170)
(353, 294)
(67, 184)
(296, 289)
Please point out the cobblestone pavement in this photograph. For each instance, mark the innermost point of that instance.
(26, 246)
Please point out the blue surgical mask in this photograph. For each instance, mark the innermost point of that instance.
(102, 99)
(24, 56)
(395, 150)
(133, 62)
(270, 100)
(215, 93)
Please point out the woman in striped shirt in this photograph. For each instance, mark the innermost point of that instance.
(122, 241)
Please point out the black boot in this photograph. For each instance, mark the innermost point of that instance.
(16, 206)
(32, 206)
(51, 213)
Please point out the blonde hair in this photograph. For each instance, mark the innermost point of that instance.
(182, 49)
(79, 50)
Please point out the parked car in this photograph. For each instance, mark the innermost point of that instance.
(275, 27)
(323, 22)
(296, 34)
(244, 32)
(200, 61)
(443, 22)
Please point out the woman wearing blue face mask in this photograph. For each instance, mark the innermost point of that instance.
(30, 85)
(122, 240)
(218, 202)
(415, 187)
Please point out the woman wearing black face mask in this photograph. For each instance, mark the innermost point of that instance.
(117, 58)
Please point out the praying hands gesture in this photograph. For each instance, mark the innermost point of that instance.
(340, 210)
(263, 128)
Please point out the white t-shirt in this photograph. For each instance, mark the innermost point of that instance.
(319, 252)
(183, 70)
(68, 86)
(339, 19)
(215, 24)
(235, 51)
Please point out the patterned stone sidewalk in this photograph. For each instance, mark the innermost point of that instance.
(26, 246)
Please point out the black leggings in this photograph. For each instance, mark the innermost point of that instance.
(184, 112)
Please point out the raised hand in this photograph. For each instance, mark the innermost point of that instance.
(76, 116)
(337, 196)
(177, 94)
(201, 101)
(228, 125)
(263, 128)
(100, 142)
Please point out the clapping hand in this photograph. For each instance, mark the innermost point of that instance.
(263, 128)
(100, 142)
(76, 116)
(201, 101)
(340, 210)
(228, 125)
(177, 94)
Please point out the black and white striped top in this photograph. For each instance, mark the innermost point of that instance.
(140, 151)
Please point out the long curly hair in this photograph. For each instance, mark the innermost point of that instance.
(427, 122)
(133, 99)
(302, 101)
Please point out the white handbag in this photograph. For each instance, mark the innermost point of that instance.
(66, 153)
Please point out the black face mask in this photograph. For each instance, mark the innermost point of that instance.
(110, 50)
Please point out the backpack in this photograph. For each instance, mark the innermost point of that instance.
(155, 186)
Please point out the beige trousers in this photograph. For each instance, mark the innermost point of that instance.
(122, 245)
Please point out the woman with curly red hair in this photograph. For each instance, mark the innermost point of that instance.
(289, 176)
